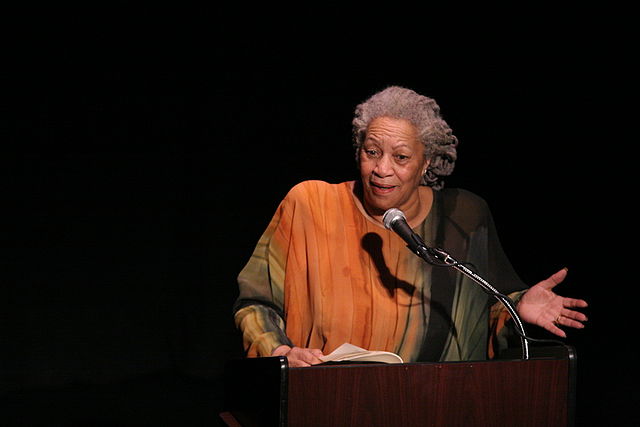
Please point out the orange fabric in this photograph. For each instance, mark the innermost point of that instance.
(334, 259)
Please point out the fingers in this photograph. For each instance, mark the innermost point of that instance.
(572, 302)
(298, 357)
(573, 320)
(551, 327)
(567, 318)
(301, 357)
(573, 315)
(316, 352)
(555, 279)
(294, 363)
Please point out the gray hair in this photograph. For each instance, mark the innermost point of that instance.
(423, 112)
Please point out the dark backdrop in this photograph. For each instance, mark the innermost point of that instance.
(144, 154)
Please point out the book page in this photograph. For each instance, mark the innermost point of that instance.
(350, 352)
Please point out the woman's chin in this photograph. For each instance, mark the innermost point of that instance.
(375, 208)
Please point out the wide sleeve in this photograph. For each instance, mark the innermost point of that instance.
(501, 326)
(472, 231)
(508, 282)
(259, 308)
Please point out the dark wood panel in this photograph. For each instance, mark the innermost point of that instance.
(501, 394)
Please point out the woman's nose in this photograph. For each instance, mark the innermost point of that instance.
(383, 167)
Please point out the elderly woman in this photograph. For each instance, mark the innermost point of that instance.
(326, 271)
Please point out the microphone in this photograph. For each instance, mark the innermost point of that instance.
(395, 220)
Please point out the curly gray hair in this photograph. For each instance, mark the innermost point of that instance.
(423, 112)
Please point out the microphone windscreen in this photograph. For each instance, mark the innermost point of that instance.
(391, 216)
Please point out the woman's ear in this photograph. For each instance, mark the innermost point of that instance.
(427, 162)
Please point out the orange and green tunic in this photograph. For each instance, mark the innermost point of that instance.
(325, 273)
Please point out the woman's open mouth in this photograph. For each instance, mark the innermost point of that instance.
(381, 188)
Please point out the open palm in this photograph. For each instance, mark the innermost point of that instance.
(543, 307)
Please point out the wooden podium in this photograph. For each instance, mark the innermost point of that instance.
(539, 392)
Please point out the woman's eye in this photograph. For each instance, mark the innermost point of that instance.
(402, 157)
(370, 152)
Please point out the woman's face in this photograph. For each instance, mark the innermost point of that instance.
(391, 165)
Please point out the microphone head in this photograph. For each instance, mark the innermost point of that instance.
(391, 216)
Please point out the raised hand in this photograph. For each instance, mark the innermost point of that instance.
(541, 306)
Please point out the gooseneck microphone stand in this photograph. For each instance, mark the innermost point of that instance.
(439, 257)
(395, 220)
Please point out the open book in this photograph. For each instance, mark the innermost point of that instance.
(352, 353)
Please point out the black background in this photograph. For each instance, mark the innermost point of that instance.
(145, 151)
